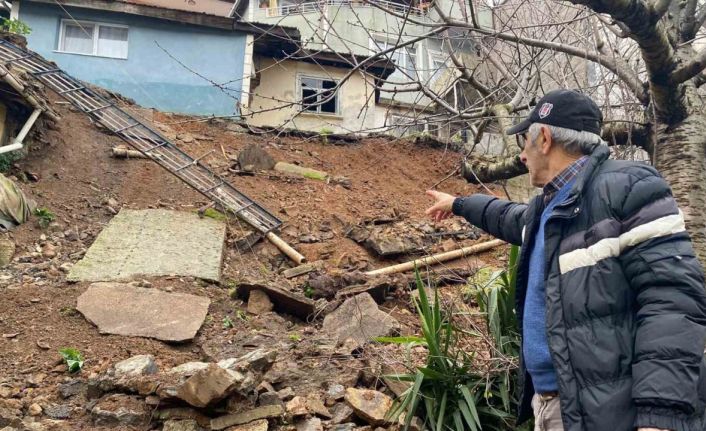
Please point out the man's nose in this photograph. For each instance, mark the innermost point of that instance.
(523, 157)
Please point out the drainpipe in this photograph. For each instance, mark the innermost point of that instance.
(17, 143)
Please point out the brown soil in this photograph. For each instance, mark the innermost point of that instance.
(77, 176)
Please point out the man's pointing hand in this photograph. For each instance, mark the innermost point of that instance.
(441, 209)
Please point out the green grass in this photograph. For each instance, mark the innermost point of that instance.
(44, 217)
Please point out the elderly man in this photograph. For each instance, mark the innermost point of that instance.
(610, 296)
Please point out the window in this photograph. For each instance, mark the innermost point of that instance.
(90, 38)
(437, 65)
(404, 58)
(318, 95)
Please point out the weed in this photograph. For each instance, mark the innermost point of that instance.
(324, 132)
(240, 314)
(227, 323)
(14, 26)
(449, 392)
(73, 358)
(295, 337)
(308, 291)
(44, 217)
(68, 311)
(7, 159)
(214, 214)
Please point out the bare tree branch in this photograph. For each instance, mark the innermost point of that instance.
(691, 69)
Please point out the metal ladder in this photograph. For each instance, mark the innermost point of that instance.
(141, 137)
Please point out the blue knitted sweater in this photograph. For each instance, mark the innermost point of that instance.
(534, 330)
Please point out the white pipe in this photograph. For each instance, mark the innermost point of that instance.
(17, 143)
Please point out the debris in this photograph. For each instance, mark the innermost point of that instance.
(258, 425)
(255, 158)
(58, 411)
(284, 301)
(139, 365)
(183, 413)
(258, 360)
(377, 289)
(259, 302)
(139, 243)
(122, 309)
(310, 424)
(437, 258)
(34, 409)
(371, 406)
(181, 425)
(297, 407)
(119, 410)
(189, 368)
(342, 413)
(335, 392)
(72, 388)
(393, 245)
(301, 171)
(300, 270)
(208, 385)
(263, 412)
(360, 319)
(317, 407)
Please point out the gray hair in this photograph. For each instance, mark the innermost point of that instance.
(573, 141)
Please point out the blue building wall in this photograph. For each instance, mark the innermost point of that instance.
(149, 75)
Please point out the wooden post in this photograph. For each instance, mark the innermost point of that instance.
(437, 258)
(286, 248)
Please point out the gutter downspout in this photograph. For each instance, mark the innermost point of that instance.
(17, 143)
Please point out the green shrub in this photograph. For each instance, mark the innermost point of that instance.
(14, 26)
(451, 392)
(44, 217)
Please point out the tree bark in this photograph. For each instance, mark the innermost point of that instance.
(681, 159)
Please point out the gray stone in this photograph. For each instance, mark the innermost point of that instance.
(58, 411)
(189, 368)
(263, 412)
(269, 399)
(119, 410)
(72, 388)
(391, 245)
(256, 158)
(335, 392)
(139, 243)
(258, 360)
(209, 385)
(360, 319)
(349, 426)
(181, 425)
(122, 309)
(140, 365)
(310, 424)
(341, 413)
(259, 302)
(371, 406)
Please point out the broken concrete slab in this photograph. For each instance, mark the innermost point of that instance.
(208, 385)
(283, 300)
(263, 412)
(122, 309)
(392, 245)
(371, 406)
(300, 270)
(140, 243)
(360, 319)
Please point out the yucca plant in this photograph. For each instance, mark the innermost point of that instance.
(450, 392)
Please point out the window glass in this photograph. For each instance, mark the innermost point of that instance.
(318, 95)
(112, 41)
(78, 39)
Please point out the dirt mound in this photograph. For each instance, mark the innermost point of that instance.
(74, 176)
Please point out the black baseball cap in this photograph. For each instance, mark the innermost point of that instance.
(563, 108)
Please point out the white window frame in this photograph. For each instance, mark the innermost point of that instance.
(300, 97)
(438, 56)
(375, 48)
(96, 32)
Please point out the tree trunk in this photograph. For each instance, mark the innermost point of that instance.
(681, 159)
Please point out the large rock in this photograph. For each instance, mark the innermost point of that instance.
(119, 410)
(371, 406)
(140, 365)
(258, 360)
(263, 412)
(124, 309)
(310, 424)
(206, 386)
(140, 243)
(360, 319)
(255, 158)
(188, 369)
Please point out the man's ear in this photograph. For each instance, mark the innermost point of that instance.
(547, 141)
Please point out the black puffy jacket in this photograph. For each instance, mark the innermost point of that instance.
(625, 298)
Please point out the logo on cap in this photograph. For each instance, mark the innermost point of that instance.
(545, 110)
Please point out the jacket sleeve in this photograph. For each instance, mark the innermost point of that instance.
(670, 301)
(500, 218)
